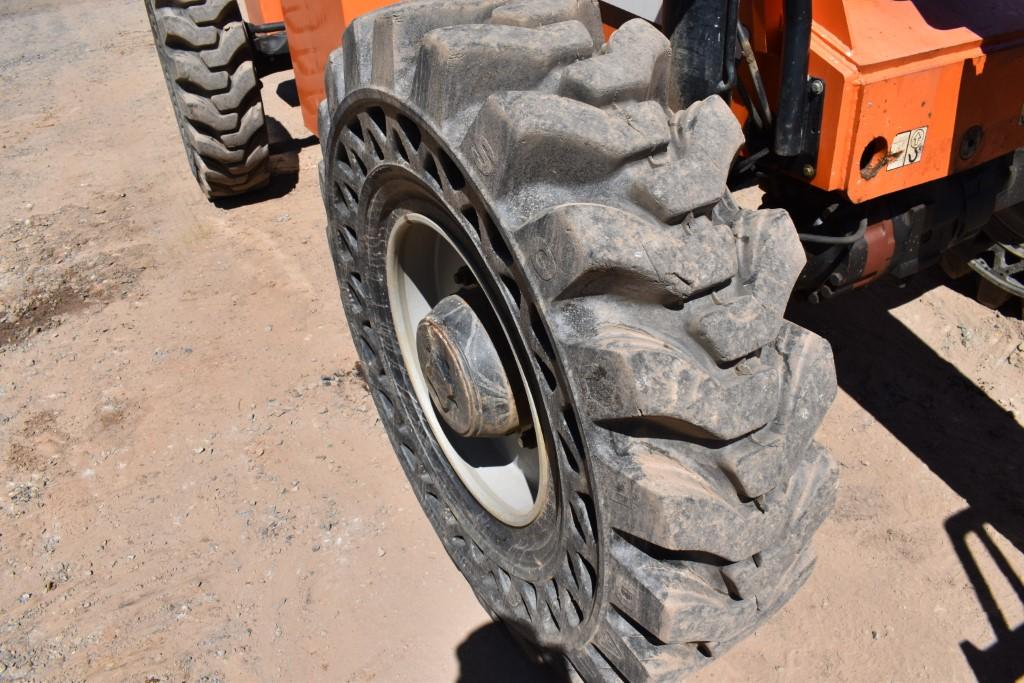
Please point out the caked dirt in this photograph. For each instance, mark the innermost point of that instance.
(194, 485)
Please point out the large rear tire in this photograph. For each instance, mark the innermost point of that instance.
(675, 409)
(207, 64)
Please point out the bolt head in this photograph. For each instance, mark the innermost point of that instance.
(809, 170)
(817, 86)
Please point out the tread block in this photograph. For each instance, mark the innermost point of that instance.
(215, 12)
(178, 30)
(222, 185)
(187, 68)
(640, 383)
(398, 29)
(233, 41)
(585, 249)
(527, 137)
(706, 136)
(770, 261)
(256, 158)
(535, 13)
(808, 389)
(323, 125)
(211, 148)
(633, 67)
(651, 493)
(810, 381)
(243, 83)
(357, 52)
(671, 602)
(334, 78)
(639, 661)
(459, 66)
(201, 110)
(250, 126)
(766, 579)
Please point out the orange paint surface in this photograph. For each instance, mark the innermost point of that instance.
(888, 67)
(315, 28)
(264, 11)
(893, 67)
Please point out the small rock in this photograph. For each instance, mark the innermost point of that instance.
(316, 547)
(199, 450)
(1016, 357)
(381, 552)
(966, 335)
(25, 597)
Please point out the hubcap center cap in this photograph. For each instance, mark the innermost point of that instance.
(465, 374)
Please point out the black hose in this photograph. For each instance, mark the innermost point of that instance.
(843, 239)
(755, 74)
(729, 58)
(796, 44)
(266, 28)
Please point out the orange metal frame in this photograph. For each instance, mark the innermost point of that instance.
(899, 67)
(889, 68)
(264, 11)
(314, 30)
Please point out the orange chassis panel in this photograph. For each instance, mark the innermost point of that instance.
(264, 11)
(314, 30)
(888, 67)
(899, 67)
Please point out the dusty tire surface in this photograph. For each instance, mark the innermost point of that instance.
(647, 306)
(207, 63)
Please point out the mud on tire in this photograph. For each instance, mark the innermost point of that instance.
(647, 306)
(207, 63)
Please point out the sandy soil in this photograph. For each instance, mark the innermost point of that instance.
(196, 487)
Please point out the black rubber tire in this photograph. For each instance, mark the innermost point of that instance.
(681, 406)
(207, 63)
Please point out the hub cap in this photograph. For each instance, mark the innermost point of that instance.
(467, 381)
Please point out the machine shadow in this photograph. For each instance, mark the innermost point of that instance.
(964, 437)
(1002, 661)
(491, 655)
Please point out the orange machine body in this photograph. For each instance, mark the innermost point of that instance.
(314, 30)
(905, 84)
(264, 11)
(914, 90)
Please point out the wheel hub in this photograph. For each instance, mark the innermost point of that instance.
(465, 376)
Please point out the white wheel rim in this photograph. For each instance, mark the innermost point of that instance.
(507, 479)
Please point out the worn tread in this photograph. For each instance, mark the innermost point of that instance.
(206, 59)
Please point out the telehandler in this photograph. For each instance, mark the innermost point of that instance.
(572, 332)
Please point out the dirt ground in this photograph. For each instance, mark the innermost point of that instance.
(196, 487)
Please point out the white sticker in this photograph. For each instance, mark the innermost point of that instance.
(907, 148)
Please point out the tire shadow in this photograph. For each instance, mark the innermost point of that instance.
(973, 444)
(491, 654)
